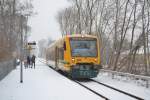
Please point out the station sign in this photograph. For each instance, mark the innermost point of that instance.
(31, 43)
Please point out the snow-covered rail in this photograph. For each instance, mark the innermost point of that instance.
(96, 93)
(103, 89)
(108, 92)
(91, 90)
(123, 92)
(133, 76)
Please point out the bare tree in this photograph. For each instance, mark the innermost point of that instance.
(122, 27)
(10, 14)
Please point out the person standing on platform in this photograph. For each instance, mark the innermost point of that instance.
(28, 61)
(33, 60)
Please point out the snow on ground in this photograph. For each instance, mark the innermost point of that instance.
(122, 83)
(42, 83)
(125, 85)
(109, 93)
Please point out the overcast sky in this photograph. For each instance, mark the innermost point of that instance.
(44, 24)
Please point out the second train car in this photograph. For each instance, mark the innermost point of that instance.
(76, 55)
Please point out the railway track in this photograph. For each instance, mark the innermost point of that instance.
(123, 92)
(95, 92)
(100, 95)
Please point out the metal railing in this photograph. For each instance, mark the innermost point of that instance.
(133, 76)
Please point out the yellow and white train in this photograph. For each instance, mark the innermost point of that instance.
(76, 55)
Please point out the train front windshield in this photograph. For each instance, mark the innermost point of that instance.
(83, 47)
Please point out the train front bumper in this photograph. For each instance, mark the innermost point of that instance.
(84, 72)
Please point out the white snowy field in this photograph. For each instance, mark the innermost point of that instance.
(42, 83)
(131, 86)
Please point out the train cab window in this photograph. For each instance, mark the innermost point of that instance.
(84, 47)
(64, 46)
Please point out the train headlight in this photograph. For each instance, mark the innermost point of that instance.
(73, 60)
(95, 60)
(82, 36)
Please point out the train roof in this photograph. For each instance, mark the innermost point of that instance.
(57, 42)
(81, 35)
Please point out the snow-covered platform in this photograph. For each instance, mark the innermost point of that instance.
(41, 83)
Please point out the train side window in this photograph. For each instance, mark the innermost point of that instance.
(64, 45)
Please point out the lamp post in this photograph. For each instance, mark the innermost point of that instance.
(21, 50)
(23, 43)
(26, 36)
(23, 39)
